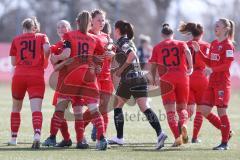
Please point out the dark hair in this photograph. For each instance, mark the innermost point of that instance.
(195, 29)
(28, 23)
(125, 28)
(83, 19)
(166, 29)
(107, 27)
(95, 12)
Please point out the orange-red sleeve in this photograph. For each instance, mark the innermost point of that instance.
(154, 58)
(13, 50)
(228, 58)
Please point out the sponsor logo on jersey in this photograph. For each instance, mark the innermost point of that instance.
(215, 57)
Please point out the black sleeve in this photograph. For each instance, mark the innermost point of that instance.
(66, 44)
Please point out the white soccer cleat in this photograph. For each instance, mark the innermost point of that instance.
(36, 137)
(12, 142)
(115, 140)
(161, 139)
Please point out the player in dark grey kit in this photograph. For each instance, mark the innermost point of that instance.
(132, 83)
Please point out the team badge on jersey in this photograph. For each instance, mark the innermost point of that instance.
(220, 48)
(229, 53)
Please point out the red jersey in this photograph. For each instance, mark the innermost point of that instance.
(221, 55)
(83, 44)
(171, 54)
(198, 63)
(105, 72)
(57, 48)
(29, 53)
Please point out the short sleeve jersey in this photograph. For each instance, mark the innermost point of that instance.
(221, 53)
(29, 53)
(170, 54)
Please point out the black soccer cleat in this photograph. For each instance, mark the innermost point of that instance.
(94, 134)
(36, 145)
(50, 141)
(64, 143)
(82, 145)
(221, 147)
(196, 140)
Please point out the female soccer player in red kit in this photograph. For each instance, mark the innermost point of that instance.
(198, 79)
(28, 54)
(104, 77)
(172, 54)
(63, 27)
(80, 46)
(218, 91)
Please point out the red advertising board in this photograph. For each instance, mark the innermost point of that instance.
(6, 68)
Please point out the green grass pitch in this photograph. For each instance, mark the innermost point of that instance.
(139, 137)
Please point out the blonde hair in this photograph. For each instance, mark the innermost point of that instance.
(83, 20)
(65, 23)
(30, 23)
(230, 25)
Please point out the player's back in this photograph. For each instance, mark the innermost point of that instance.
(81, 44)
(171, 55)
(198, 63)
(29, 53)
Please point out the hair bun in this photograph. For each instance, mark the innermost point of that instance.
(165, 25)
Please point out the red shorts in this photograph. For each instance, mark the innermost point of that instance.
(75, 100)
(179, 93)
(216, 96)
(35, 86)
(77, 85)
(198, 85)
(55, 97)
(105, 86)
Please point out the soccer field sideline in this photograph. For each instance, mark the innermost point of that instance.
(140, 138)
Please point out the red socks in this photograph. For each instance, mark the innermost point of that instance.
(56, 122)
(106, 121)
(64, 130)
(79, 128)
(225, 128)
(37, 122)
(183, 116)
(198, 120)
(215, 120)
(99, 124)
(15, 123)
(173, 124)
(87, 118)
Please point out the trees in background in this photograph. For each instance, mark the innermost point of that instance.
(146, 15)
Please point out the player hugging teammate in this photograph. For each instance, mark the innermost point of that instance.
(83, 57)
